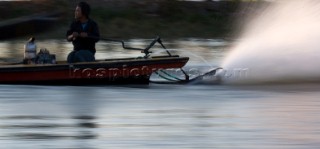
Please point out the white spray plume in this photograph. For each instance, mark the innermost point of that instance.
(280, 45)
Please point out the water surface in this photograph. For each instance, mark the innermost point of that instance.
(275, 116)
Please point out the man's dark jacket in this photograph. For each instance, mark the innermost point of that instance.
(91, 28)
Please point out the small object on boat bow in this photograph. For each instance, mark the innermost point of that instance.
(30, 51)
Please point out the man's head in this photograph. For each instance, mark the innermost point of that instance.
(82, 10)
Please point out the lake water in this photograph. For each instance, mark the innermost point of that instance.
(270, 116)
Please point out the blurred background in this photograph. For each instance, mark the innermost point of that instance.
(129, 18)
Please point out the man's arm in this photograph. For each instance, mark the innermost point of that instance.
(94, 32)
(71, 34)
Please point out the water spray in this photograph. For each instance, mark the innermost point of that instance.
(282, 44)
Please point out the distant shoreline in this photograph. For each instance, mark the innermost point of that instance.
(143, 18)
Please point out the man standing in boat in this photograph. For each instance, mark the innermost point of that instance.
(84, 33)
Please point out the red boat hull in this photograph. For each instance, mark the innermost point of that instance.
(117, 71)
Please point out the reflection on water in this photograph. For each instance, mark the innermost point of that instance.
(160, 116)
(157, 116)
(42, 123)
